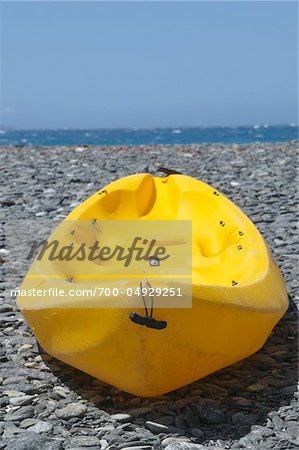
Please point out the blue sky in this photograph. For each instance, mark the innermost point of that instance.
(148, 64)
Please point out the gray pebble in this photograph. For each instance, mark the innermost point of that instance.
(33, 441)
(184, 446)
(174, 440)
(5, 307)
(141, 411)
(41, 427)
(22, 400)
(138, 447)
(121, 417)
(131, 444)
(196, 432)
(22, 413)
(83, 441)
(70, 411)
(238, 417)
(26, 423)
(156, 427)
(12, 380)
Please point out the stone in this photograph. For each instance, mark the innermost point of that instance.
(26, 423)
(33, 441)
(293, 430)
(196, 432)
(25, 347)
(63, 392)
(83, 441)
(277, 422)
(5, 307)
(11, 430)
(190, 417)
(41, 427)
(248, 441)
(12, 393)
(71, 410)
(131, 444)
(141, 411)
(174, 440)
(211, 414)
(263, 431)
(241, 401)
(27, 388)
(22, 413)
(121, 417)
(113, 437)
(22, 400)
(238, 417)
(12, 380)
(7, 202)
(103, 444)
(156, 427)
(256, 388)
(138, 447)
(166, 420)
(184, 446)
(49, 191)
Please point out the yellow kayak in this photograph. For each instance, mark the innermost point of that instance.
(145, 348)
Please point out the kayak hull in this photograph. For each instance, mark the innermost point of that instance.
(225, 324)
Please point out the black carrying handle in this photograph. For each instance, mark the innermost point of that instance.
(148, 321)
(169, 171)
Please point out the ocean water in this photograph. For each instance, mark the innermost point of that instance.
(155, 136)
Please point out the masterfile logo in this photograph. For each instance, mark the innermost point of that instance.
(103, 263)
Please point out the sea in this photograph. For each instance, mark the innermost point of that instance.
(154, 136)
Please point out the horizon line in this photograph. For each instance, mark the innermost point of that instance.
(134, 128)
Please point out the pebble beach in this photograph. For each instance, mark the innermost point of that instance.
(48, 405)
